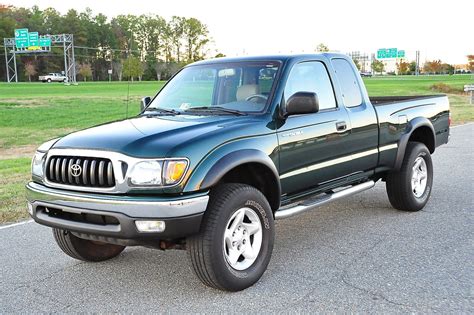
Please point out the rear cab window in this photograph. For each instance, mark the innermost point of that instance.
(348, 82)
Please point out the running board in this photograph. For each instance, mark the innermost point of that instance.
(321, 200)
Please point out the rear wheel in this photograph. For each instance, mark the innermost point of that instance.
(49, 80)
(234, 246)
(85, 250)
(410, 188)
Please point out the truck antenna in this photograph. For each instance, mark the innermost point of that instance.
(129, 72)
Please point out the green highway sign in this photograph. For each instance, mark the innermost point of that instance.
(392, 52)
(45, 42)
(33, 39)
(30, 40)
(21, 37)
(385, 53)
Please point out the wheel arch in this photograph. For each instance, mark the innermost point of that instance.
(419, 129)
(247, 166)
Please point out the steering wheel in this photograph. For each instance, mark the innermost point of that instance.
(257, 97)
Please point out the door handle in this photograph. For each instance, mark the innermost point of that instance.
(341, 126)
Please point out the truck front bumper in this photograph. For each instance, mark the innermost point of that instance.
(115, 216)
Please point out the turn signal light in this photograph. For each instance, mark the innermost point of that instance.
(174, 171)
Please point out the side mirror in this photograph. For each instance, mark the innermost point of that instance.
(302, 103)
(144, 102)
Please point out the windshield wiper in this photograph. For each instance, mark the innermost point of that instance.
(162, 110)
(216, 108)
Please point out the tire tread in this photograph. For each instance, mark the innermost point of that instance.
(199, 246)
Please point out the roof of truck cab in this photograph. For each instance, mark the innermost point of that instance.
(281, 58)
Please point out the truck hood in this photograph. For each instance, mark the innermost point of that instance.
(158, 136)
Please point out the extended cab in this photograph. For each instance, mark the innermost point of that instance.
(52, 77)
(225, 148)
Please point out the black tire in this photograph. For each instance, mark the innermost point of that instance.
(206, 250)
(399, 186)
(49, 80)
(85, 250)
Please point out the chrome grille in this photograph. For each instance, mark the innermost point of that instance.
(80, 171)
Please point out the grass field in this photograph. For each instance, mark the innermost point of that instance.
(31, 113)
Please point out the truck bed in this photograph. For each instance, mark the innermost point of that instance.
(385, 100)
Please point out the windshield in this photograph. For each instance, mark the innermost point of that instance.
(243, 87)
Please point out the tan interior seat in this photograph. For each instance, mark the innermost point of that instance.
(245, 91)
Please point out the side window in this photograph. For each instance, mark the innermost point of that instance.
(311, 76)
(347, 79)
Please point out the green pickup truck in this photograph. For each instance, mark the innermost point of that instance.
(226, 147)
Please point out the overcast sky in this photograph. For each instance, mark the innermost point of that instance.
(439, 29)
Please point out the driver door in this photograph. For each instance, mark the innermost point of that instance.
(313, 147)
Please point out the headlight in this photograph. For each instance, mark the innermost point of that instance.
(157, 173)
(37, 164)
(146, 173)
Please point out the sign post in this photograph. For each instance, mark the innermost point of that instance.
(26, 42)
(470, 88)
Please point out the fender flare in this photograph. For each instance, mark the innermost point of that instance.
(235, 159)
(412, 125)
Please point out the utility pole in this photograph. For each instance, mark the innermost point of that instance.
(417, 68)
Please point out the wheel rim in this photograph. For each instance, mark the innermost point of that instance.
(419, 177)
(242, 239)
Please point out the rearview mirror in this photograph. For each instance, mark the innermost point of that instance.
(144, 102)
(226, 73)
(302, 103)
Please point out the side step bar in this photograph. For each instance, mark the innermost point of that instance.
(310, 204)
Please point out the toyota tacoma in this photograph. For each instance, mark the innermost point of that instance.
(226, 147)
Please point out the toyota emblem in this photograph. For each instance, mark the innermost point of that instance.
(76, 170)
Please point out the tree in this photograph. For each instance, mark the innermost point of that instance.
(322, 48)
(378, 66)
(403, 67)
(219, 55)
(30, 69)
(102, 42)
(117, 67)
(470, 62)
(85, 71)
(433, 67)
(357, 63)
(196, 36)
(412, 67)
(175, 32)
(132, 68)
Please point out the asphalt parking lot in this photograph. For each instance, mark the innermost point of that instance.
(355, 255)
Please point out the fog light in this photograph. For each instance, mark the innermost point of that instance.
(150, 226)
(30, 209)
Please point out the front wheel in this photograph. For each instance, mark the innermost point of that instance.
(85, 250)
(234, 246)
(410, 188)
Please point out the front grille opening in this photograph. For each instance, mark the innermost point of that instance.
(88, 218)
(80, 171)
